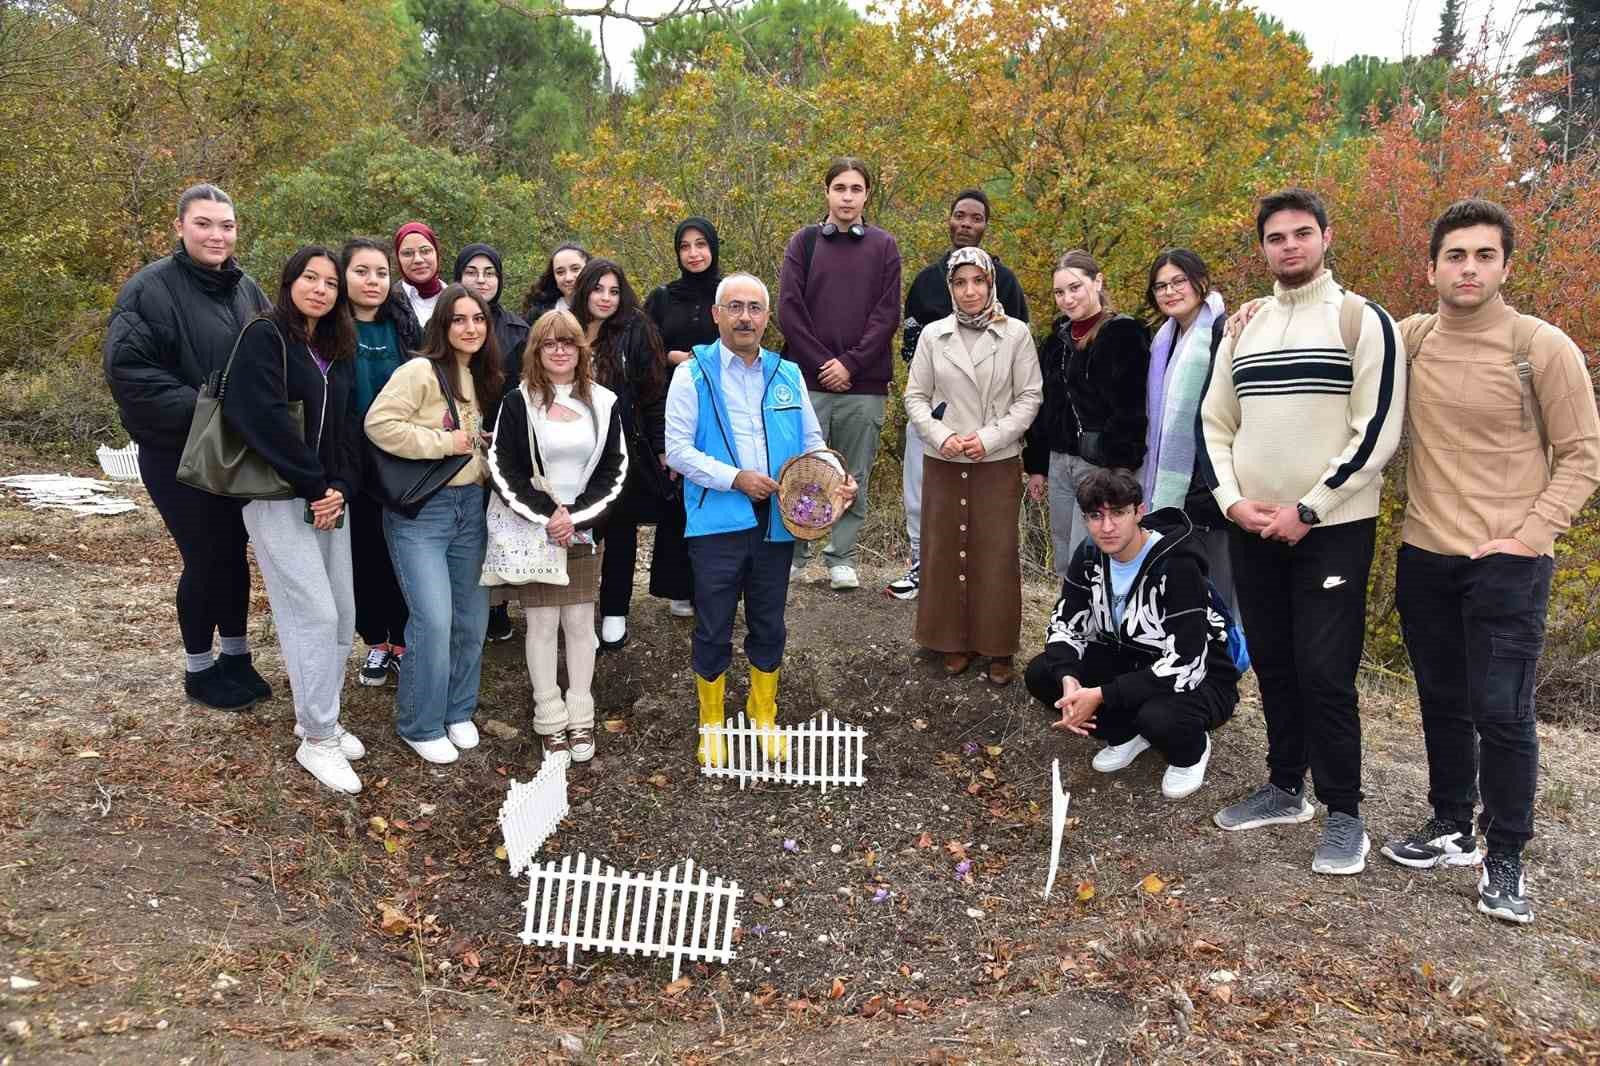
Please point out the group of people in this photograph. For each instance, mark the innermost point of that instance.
(1219, 469)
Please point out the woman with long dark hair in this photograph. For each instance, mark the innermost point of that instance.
(173, 326)
(681, 310)
(628, 360)
(386, 334)
(1094, 364)
(301, 353)
(559, 461)
(553, 290)
(438, 555)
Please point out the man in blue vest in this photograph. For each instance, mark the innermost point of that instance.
(736, 413)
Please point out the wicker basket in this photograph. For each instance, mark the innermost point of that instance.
(801, 472)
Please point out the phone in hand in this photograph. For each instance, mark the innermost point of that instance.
(311, 519)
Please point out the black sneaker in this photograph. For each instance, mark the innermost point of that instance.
(1438, 842)
(241, 670)
(1500, 892)
(212, 687)
(499, 624)
(375, 671)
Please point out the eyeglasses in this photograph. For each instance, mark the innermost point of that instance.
(557, 345)
(474, 274)
(1116, 514)
(1175, 286)
(739, 308)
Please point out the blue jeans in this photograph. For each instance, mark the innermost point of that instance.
(438, 559)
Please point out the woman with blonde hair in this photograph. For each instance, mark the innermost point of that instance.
(559, 461)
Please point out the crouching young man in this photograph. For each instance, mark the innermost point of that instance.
(1135, 652)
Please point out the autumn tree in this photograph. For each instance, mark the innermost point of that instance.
(787, 40)
(1564, 67)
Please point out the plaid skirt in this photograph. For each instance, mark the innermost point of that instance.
(583, 583)
(971, 595)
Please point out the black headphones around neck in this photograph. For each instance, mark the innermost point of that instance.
(830, 231)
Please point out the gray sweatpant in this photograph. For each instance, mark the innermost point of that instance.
(851, 424)
(308, 578)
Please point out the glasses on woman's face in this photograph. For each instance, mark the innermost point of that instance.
(1175, 286)
(561, 345)
(474, 274)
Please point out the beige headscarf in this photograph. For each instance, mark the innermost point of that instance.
(992, 311)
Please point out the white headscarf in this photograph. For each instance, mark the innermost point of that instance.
(992, 311)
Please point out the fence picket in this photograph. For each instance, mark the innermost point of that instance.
(823, 751)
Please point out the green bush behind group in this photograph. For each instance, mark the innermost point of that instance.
(1119, 126)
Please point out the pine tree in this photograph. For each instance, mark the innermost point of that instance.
(1447, 44)
(1567, 46)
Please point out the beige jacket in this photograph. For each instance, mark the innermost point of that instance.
(1477, 472)
(409, 418)
(996, 390)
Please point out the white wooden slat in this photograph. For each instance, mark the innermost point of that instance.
(824, 752)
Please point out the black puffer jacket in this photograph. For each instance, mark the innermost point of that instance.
(327, 454)
(1099, 390)
(173, 325)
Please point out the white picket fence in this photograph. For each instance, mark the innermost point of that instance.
(1058, 823)
(628, 913)
(120, 464)
(533, 809)
(823, 751)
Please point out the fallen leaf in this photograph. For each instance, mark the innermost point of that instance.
(616, 725)
(919, 724)
(872, 1007)
(988, 774)
(994, 750)
(761, 898)
(764, 996)
(392, 921)
(837, 991)
(500, 853)
(88, 753)
(678, 987)
(1152, 884)
(870, 858)
(390, 845)
(974, 788)
(956, 849)
(658, 780)
(470, 959)
(1085, 891)
(799, 1004)
(1221, 993)
(925, 840)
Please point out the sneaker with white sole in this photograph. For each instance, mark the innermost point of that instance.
(843, 578)
(681, 608)
(1344, 845)
(1114, 757)
(1181, 781)
(580, 742)
(349, 743)
(375, 671)
(1438, 842)
(1267, 805)
(613, 631)
(1501, 890)
(464, 735)
(438, 750)
(906, 588)
(324, 761)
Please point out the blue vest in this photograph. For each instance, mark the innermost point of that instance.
(709, 511)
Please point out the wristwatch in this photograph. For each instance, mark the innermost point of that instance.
(1307, 515)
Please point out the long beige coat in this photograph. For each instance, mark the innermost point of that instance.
(996, 390)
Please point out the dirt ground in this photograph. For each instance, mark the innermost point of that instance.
(174, 889)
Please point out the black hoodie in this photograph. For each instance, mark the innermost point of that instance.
(681, 309)
(510, 329)
(1170, 640)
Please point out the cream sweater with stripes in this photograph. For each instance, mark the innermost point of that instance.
(1289, 416)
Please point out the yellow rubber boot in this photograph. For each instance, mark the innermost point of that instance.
(713, 751)
(762, 707)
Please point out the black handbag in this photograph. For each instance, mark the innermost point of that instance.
(405, 485)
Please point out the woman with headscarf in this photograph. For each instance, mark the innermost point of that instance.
(417, 250)
(681, 310)
(972, 391)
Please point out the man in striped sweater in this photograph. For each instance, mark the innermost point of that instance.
(1302, 411)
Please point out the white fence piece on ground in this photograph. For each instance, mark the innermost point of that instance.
(677, 916)
(823, 751)
(1058, 823)
(64, 492)
(533, 809)
(120, 464)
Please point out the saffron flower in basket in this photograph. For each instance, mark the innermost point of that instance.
(811, 507)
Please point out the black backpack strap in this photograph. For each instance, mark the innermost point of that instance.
(808, 248)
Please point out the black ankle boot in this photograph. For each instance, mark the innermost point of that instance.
(241, 671)
(212, 687)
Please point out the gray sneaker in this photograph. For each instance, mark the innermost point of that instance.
(1267, 805)
(1344, 845)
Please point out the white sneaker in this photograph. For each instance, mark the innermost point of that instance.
(682, 608)
(349, 743)
(464, 735)
(1181, 781)
(795, 570)
(613, 630)
(1114, 757)
(438, 750)
(841, 578)
(324, 761)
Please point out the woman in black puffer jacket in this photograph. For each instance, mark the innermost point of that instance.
(173, 326)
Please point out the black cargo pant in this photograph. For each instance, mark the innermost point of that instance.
(1474, 629)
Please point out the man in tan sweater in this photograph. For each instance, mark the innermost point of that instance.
(1302, 410)
(1505, 450)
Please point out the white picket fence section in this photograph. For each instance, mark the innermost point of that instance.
(533, 809)
(120, 464)
(1058, 823)
(628, 913)
(823, 751)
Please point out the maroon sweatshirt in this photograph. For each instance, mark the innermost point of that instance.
(847, 307)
